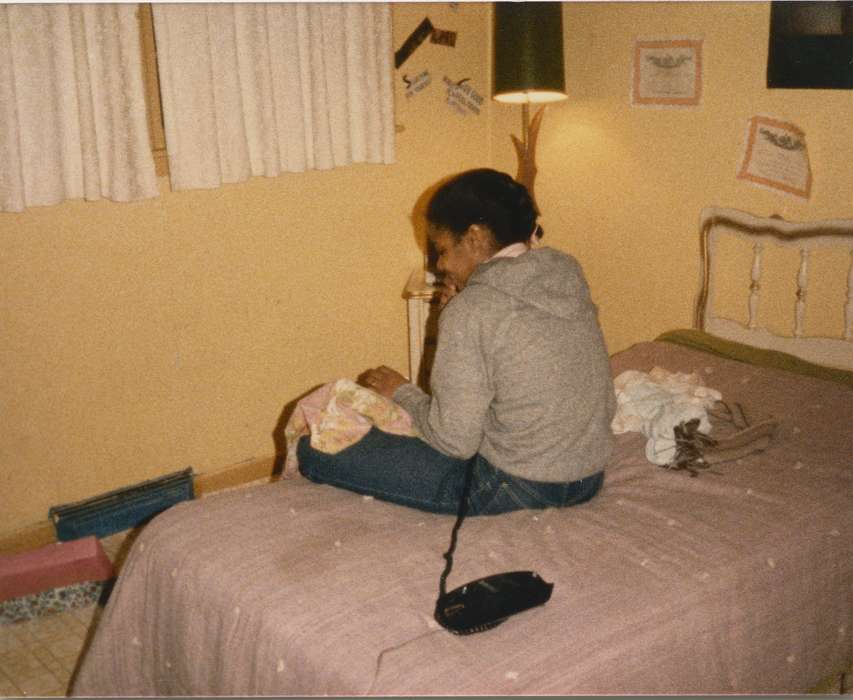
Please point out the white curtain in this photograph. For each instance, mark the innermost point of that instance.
(261, 89)
(72, 106)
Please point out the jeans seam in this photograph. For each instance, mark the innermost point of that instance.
(389, 496)
(534, 495)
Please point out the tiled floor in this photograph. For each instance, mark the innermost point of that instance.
(38, 657)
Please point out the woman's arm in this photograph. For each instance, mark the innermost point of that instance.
(384, 380)
(452, 419)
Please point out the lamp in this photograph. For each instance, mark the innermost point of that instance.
(528, 68)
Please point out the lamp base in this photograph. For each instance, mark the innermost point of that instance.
(525, 149)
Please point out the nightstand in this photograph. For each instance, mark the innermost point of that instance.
(422, 312)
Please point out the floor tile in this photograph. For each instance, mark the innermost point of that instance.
(39, 656)
(7, 688)
(73, 625)
(8, 640)
(84, 615)
(40, 685)
(63, 675)
(68, 664)
(49, 628)
(58, 667)
(23, 632)
(43, 654)
(66, 648)
(20, 664)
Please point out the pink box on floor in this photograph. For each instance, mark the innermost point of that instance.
(55, 565)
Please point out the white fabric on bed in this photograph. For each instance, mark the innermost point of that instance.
(653, 403)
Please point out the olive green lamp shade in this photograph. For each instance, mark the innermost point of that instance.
(528, 52)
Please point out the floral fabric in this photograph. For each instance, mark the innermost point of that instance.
(338, 415)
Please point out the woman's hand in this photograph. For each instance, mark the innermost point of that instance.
(383, 380)
(446, 291)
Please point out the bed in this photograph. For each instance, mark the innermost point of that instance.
(739, 581)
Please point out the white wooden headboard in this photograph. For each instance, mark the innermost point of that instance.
(761, 232)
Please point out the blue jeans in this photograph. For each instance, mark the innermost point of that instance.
(407, 471)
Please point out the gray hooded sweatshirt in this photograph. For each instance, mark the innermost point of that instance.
(521, 373)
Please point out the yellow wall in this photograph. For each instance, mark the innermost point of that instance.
(622, 187)
(142, 338)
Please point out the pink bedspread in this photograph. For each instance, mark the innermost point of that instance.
(733, 583)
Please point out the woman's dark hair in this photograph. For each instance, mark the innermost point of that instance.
(485, 197)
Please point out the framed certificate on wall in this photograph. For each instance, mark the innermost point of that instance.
(776, 157)
(667, 72)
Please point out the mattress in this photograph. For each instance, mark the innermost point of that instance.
(739, 581)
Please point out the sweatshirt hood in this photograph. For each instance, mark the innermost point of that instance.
(545, 278)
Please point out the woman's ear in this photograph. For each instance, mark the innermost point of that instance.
(481, 240)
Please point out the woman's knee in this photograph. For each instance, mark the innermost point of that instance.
(312, 463)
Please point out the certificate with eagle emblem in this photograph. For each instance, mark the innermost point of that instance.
(667, 72)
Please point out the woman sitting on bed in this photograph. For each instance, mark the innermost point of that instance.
(521, 377)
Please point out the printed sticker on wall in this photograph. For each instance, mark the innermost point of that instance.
(667, 73)
(462, 97)
(776, 157)
(417, 83)
(415, 39)
(444, 37)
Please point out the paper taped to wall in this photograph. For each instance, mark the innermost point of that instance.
(462, 97)
(776, 156)
(416, 84)
(444, 37)
(415, 39)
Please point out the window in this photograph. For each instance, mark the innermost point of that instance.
(151, 79)
(290, 87)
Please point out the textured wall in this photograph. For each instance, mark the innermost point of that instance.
(622, 187)
(142, 338)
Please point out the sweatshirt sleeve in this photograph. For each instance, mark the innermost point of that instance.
(452, 419)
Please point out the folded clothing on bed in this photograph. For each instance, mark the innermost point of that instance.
(653, 403)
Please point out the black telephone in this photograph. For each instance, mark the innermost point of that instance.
(484, 603)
